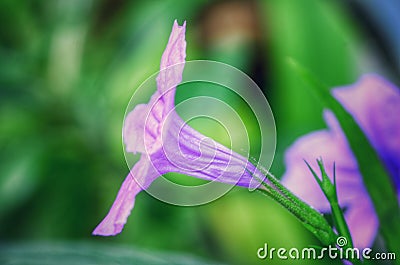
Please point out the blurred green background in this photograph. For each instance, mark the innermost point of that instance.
(69, 68)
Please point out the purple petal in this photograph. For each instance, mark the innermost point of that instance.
(363, 223)
(141, 131)
(375, 105)
(142, 125)
(116, 218)
(133, 129)
(172, 64)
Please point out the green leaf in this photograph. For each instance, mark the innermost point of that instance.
(85, 253)
(375, 177)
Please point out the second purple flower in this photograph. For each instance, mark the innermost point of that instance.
(375, 105)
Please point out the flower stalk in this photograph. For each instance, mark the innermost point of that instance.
(308, 216)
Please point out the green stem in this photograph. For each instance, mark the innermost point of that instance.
(340, 222)
(308, 216)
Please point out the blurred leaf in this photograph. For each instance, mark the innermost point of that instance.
(18, 177)
(321, 36)
(318, 34)
(74, 253)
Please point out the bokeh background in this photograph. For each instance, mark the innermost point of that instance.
(69, 68)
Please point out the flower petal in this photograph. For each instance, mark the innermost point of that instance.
(142, 125)
(133, 129)
(375, 105)
(172, 64)
(140, 177)
(141, 131)
(363, 223)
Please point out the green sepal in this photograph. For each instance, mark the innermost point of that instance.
(330, 191)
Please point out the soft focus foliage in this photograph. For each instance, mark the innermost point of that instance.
(68, 69)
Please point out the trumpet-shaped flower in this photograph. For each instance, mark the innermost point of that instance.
(167, 144)
(375, 104)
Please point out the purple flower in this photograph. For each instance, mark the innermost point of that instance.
(375, 105)
(167, 144)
